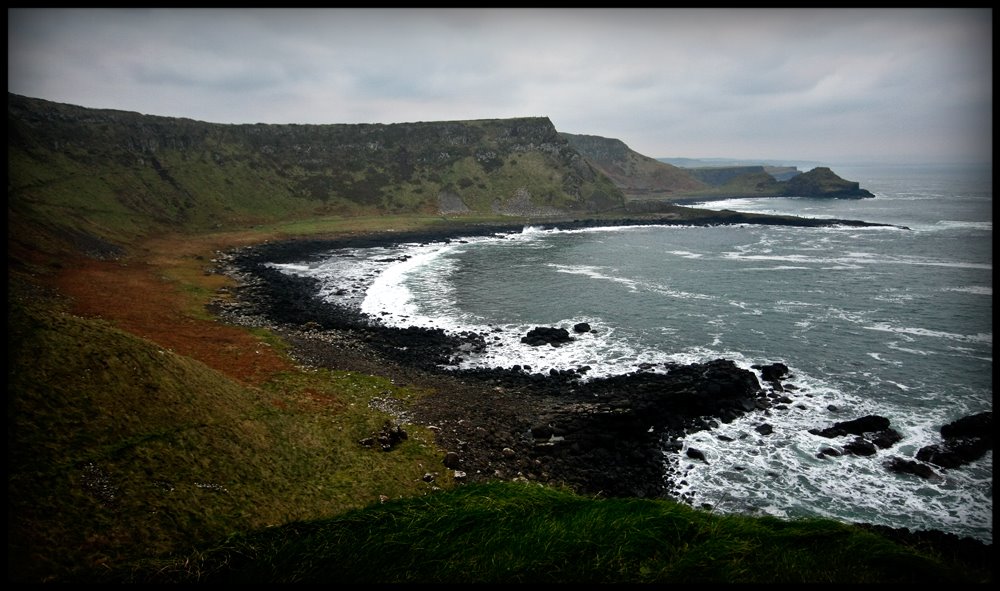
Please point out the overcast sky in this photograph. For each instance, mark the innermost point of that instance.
(837, 85)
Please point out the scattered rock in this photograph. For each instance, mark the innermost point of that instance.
(389, 437)
(451, 460)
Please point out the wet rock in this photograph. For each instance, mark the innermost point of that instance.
(978, 425)
(887, 438)
(965, 440)
(904, 466)
(696, 454)
(860, 446)
(954, 453)
(542, 335)
(866, 424)
(828, 452)
(773, 372)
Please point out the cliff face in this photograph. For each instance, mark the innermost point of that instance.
(636, 175)
(124, 172)
(716, 176)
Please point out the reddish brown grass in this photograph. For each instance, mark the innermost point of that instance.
(141, 295)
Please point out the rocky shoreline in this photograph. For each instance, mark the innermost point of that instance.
(601, 437)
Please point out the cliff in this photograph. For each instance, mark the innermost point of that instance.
(104, 174)
(823, 182)
(638, 176)
(97, 179)
(647, 182)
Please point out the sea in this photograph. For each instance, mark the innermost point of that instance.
(894, 321)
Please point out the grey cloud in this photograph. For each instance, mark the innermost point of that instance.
(730, 82)
(230, 81)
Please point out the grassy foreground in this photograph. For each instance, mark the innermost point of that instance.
(527, 533)
(148, 442)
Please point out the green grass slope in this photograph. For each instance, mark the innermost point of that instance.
(118, 448)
